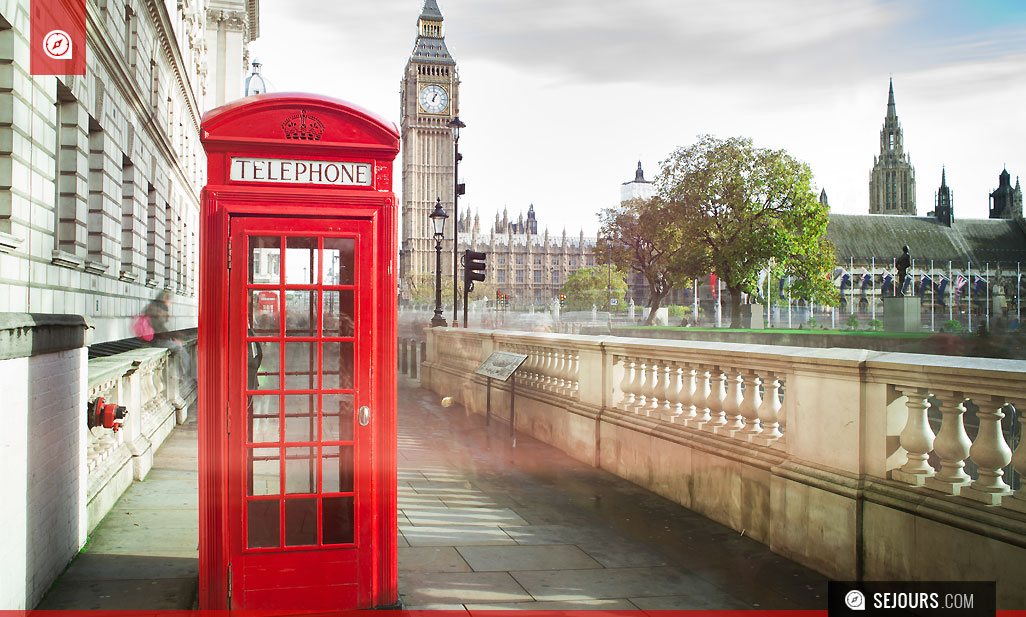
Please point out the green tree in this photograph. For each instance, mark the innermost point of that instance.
(422, 290)
(635, 237)
(595, 286)
(743, 206)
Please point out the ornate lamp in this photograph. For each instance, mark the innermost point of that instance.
(438, 224)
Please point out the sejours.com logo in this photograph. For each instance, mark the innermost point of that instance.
(57, 45)
(921, 598)
(855, 600)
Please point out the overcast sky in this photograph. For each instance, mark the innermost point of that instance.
(562, 97)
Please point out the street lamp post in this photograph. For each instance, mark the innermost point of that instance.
(458, 189)
(438, 223)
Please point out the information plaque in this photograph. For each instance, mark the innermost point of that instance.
(501, 364)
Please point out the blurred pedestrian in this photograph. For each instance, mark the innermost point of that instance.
(159, 313)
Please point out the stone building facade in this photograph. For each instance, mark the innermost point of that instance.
(101, 194)
(99, 212)
(530, 267)
(892, 183)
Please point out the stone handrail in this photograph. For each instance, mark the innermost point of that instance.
(146, 383)
(854, 412)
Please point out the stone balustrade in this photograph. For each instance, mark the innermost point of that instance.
(853, 462)
(146, 383)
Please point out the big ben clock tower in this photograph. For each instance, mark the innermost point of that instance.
(429, 100)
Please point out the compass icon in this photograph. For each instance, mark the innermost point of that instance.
(57, 45)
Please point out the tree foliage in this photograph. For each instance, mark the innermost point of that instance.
(636, 237)
(742, 206)
(595, 286)
(421, 290)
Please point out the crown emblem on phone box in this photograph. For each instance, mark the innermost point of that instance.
(302, 126)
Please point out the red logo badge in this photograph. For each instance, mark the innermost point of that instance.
(58, 37)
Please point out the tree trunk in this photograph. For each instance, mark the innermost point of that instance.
(657, 299)
(735, 306)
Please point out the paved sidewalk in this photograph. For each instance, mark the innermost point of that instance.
(484, 525)
(145, 553)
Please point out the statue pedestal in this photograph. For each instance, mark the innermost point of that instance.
(902, 314)
(752, 316)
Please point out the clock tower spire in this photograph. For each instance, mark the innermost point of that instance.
(429, 99)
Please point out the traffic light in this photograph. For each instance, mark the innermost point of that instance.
(562, 300)
(473, 269)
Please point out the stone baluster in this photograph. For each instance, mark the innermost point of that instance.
(916, 438)
(656, 388)
(990, 453)
(717, 396)
(670, 408)
(769, 412)
(687, 393)
(546, 370)
(1018, 500)
(552, 370)
(640, 384)
(732, 405)
(749, 408)
(951, 445)
(530, 366)
(703, 394)
(539, 367)
(627, 384)
(558, 383)
(573, 374)
(537, 357)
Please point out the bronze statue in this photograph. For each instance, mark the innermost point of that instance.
(902, 264)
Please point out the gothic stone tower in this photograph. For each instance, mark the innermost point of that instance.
(892, 183)
(945, 208)
(1006, 202)
(429, 98)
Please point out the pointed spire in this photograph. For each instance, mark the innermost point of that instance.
(431, 11)
(891, 113)
(823, 197)
(639, 175)
(944, 181)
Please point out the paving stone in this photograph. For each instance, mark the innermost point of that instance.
(594, 607)
(149, 594)
(454, 535)
(431, 559)
(604, 545)
(450, 588)
(96, 566)
(607, 583)
(717, 601)
(509, 558)
(463, 516)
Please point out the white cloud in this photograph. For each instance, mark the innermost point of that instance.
(562, 98)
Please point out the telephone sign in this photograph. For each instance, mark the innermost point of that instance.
(296, 357)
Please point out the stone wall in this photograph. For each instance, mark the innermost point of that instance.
(42, 451)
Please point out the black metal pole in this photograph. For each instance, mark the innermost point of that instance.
(438, 320)
(456, 229)
(488, 402)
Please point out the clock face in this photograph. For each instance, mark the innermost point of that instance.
(433, 99)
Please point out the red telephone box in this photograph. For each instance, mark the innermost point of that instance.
(297, 339)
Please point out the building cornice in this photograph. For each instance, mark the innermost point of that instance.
(173, 53)
(98, 40)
